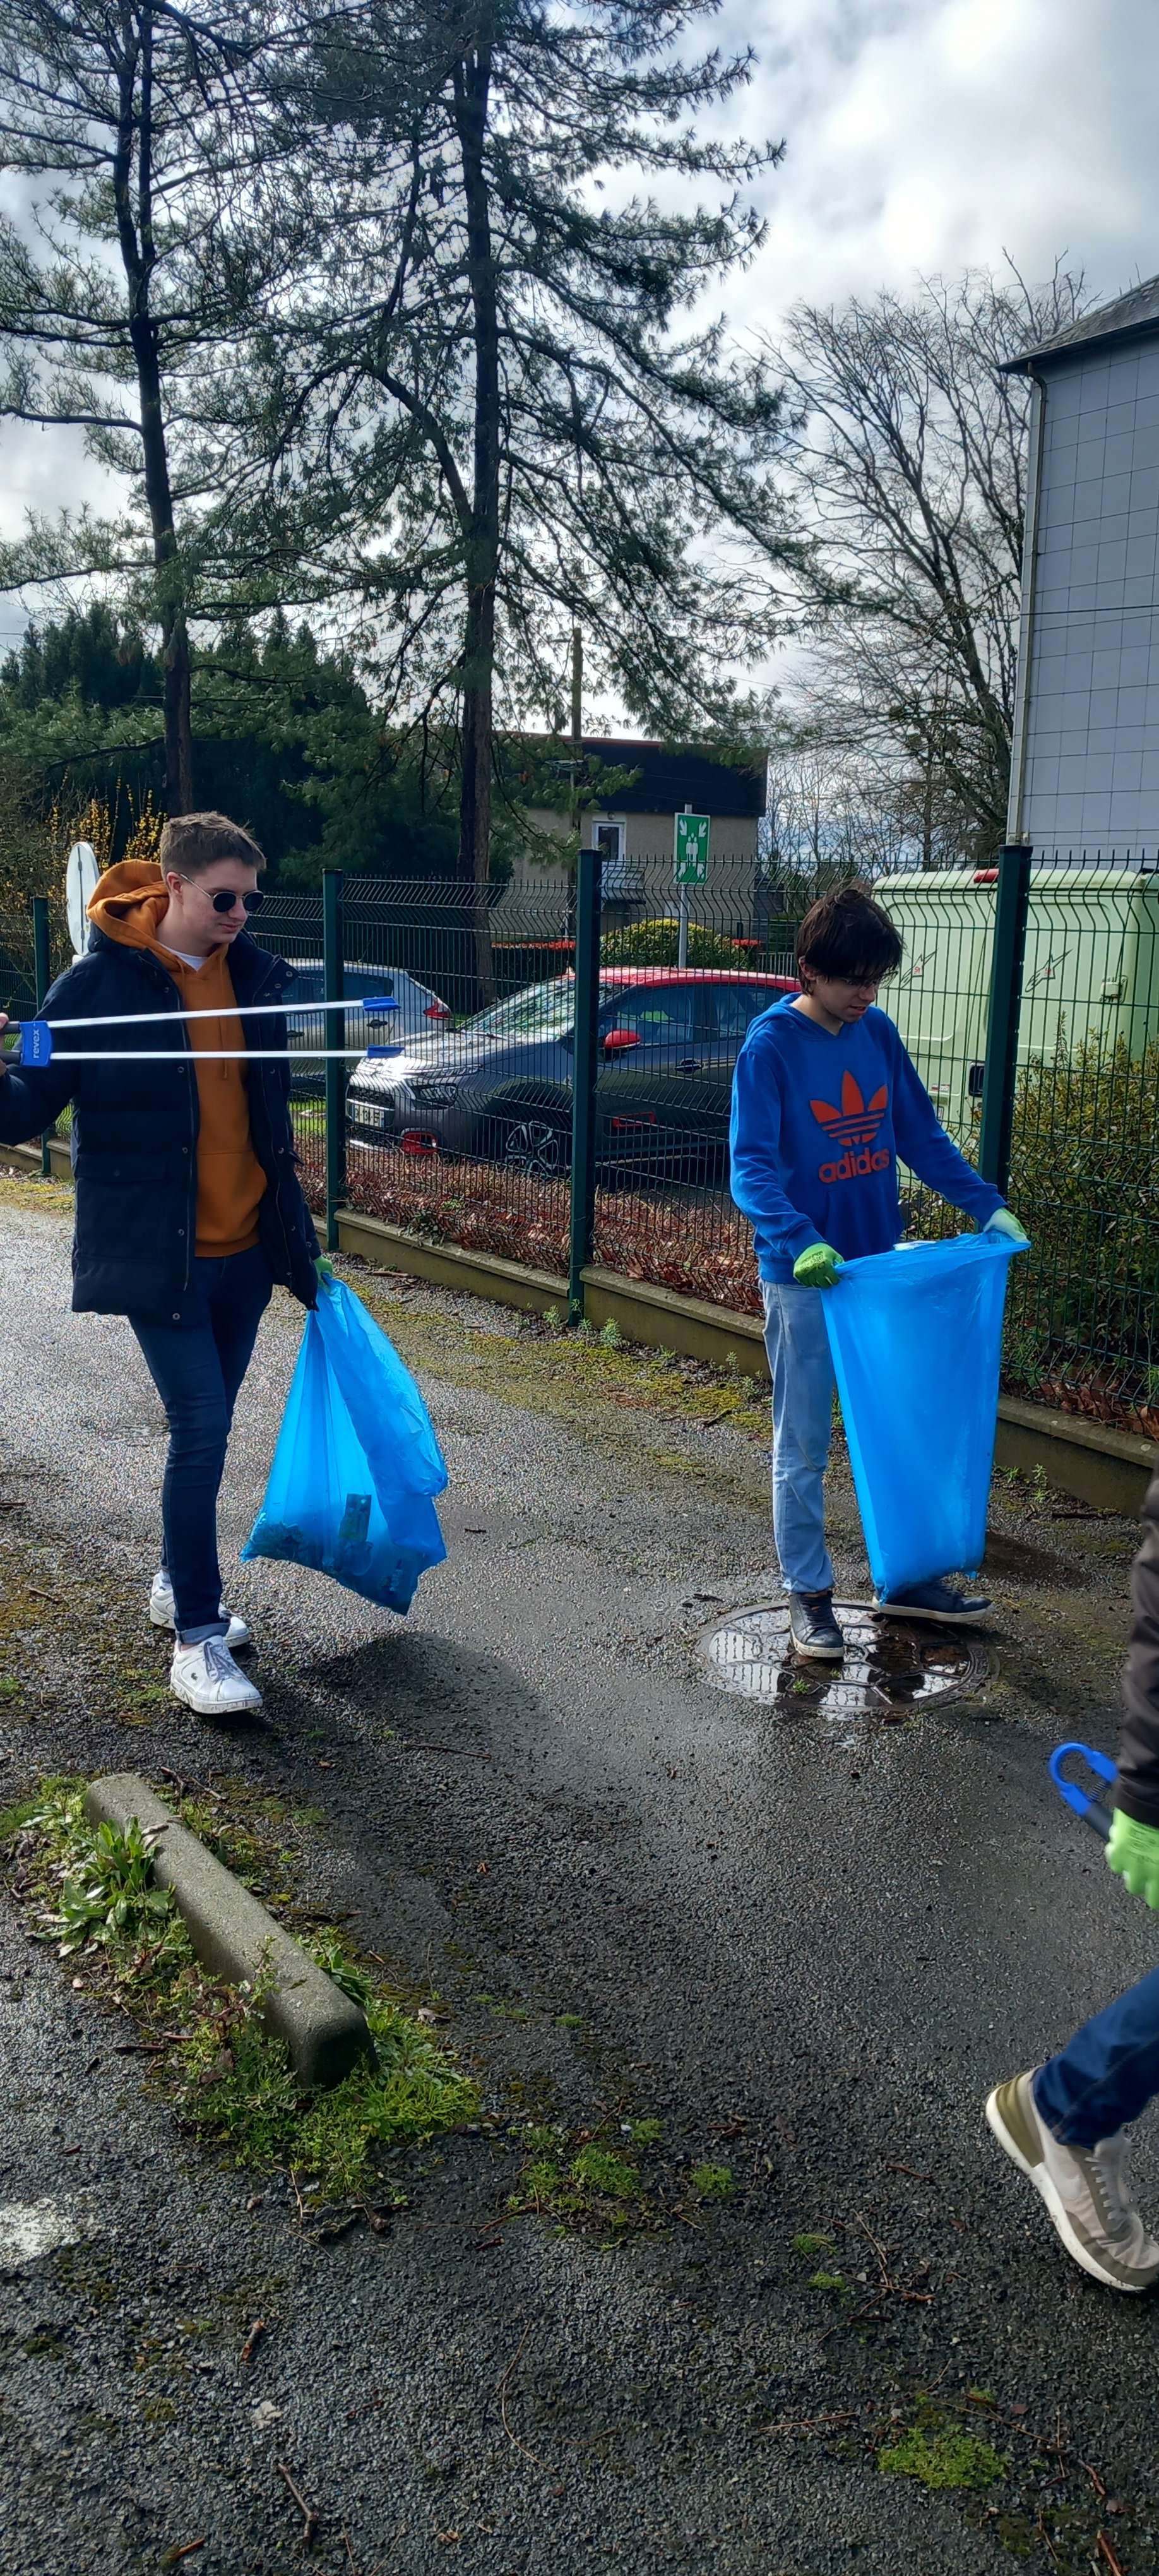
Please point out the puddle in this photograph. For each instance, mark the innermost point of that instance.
(887, 1669)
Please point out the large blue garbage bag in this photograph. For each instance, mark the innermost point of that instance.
(916, 1337)
(356, 1464)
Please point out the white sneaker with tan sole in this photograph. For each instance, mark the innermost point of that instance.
(1084, 2189)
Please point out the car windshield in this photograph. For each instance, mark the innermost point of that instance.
(540, 1011)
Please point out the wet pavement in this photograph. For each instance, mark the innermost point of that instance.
(806, 1940)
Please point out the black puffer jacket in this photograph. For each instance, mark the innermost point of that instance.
(134, 1133)
(1137, 1792)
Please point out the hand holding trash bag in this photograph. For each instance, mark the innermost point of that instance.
(1133, 1854)
(1005, 1222)
(356, 1464)
(817, 1267)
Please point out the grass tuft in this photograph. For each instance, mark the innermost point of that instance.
(940, 2456)
(228, 2079)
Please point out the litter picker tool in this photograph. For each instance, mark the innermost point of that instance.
(37, 1038)
(1084, 1802)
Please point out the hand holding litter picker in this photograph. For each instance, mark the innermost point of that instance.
(1132, 1848)
(1133, 1854)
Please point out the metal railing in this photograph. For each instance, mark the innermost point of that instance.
(552, 1086)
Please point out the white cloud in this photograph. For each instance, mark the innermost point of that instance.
(923, 136)
(932, 135)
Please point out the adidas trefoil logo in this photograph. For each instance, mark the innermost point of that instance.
(854, 1126)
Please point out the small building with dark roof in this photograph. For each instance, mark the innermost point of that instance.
(1085, 755)
(632, 820)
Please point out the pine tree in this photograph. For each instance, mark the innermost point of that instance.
(498, 404)
(126, 119)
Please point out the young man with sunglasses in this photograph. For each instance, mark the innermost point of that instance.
(188, 1204)
(825, 1099)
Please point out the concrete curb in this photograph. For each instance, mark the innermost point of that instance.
(236, 1939)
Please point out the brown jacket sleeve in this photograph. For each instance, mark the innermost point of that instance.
(1138, 1785)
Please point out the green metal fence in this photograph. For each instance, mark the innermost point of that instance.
(543, 1071)
(1029, 1000)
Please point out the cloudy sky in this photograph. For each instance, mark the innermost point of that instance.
(922, 135)
(933, 135)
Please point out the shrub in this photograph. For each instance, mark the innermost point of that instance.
(1081, 1329)
(657, 943)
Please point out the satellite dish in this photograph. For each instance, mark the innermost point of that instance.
(80, 885)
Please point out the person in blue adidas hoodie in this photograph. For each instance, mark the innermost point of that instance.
(824, 1101)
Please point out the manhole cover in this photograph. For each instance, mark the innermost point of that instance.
(887, 1667)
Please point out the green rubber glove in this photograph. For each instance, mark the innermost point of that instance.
(1133, 1854)
(1005, 1222)
(324, 1271)
(818, 1267)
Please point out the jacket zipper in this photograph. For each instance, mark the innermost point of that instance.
(164, 982)
(271, 976)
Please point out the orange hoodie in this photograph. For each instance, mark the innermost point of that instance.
(128, 903)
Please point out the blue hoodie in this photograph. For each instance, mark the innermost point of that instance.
(818, 1123)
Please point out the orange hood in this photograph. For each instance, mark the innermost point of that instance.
(128, 903)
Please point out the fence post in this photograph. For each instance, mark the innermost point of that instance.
(585, 1066)
(334, 1035)
(1006, 965)
(42, 976)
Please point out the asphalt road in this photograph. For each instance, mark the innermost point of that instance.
(825, 1940)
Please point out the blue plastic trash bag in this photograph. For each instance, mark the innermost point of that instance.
(356, 1464)
(916, 1337)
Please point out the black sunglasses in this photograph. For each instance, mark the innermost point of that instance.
(223, 901)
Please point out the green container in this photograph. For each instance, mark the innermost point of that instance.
(1091, 974)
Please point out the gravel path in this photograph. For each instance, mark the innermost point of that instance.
(805, 1950)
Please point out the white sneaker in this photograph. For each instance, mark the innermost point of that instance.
(207, 1679)
(163, 1613)
(1085, 2189)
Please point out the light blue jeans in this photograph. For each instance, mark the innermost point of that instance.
(803, 1384)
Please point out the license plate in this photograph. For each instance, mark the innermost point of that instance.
(368, 1117)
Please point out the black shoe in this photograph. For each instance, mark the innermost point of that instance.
(813, 1628)
(939, 1603)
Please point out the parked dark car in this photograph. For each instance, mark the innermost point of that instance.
(500, 1086)
(412, 1008)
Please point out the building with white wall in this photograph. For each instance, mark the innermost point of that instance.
(1085, 761)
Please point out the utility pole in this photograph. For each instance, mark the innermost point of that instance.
(682, 947)
(577, 718)
(577, 735)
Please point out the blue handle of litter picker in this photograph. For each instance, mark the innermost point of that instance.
(33, 1042)
(1083, 1802)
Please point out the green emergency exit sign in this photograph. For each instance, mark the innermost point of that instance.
(690, 853)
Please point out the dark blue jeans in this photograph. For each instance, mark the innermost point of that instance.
(197, 1367)
(1107, 2073)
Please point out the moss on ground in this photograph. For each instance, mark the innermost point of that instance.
(612, 2181)
(23, 1189)
(941, 2455)
(90, 1892)
(571, 1376)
